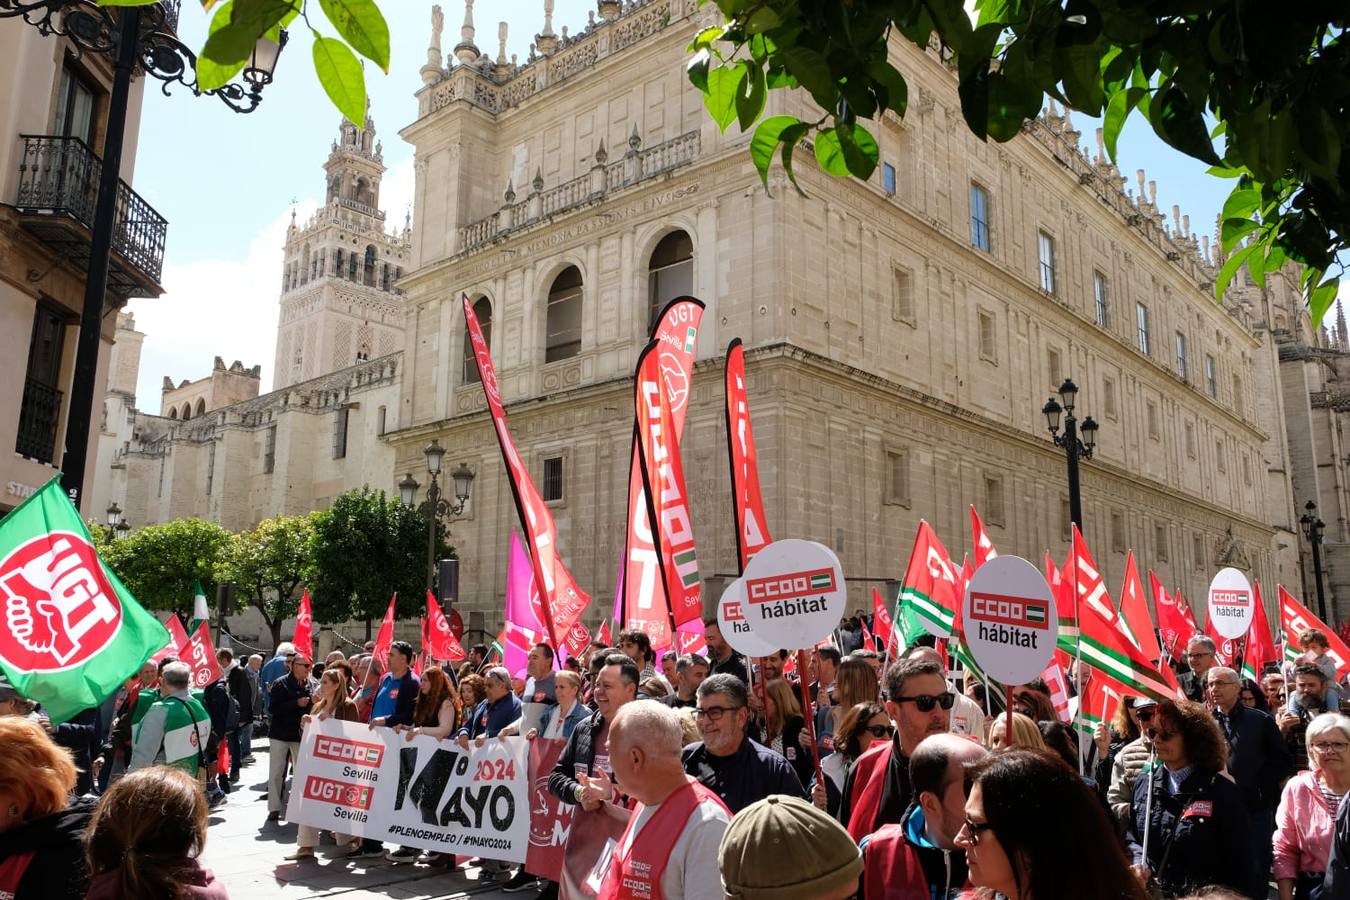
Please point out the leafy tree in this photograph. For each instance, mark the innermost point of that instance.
(161, 564)
(268, 565)
(366, 546)
(1269, 81)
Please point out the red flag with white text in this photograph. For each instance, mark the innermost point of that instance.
(1259, 648)
(1053, 676)
(441, 642)
(200, 655)
(304, 627)
(644, 603)
(1225, 649)
(984, 547)
(1134, 611)
(563, 600)
(667, 494)
(752, 527)
(1295, 618)
(385, 638)
(177, 638)
(1175, 626)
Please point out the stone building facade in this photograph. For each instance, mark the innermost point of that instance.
(902, 333)
(189, 399)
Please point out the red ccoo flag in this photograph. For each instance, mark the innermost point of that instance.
(984, 547)
(385, 639)
(1295, 618)
(1260, 648)
(1134, 611)
(440, 640)
(304, 627)
(1174, 623)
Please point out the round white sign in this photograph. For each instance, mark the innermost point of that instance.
(1231, 604)
(735, 629)
(794, 593)
(1008, 614)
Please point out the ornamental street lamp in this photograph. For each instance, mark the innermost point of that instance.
(1312, 530)
(115, 521)
(136, 36)
(435, 506)
(1074, 448)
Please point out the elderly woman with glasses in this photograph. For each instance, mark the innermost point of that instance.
(1189, 814)
(1305, 821)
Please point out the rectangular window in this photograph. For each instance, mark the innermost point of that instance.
(897, 477)
(1211, 377)
(1219, 460)
(1141, 324)
(210, 467)
(1103, 297)
(902, 297)
(1117, 532)
(75, 107)
(1198, 551)
(1190, 439)
(993, 500)
(1109, 397)
(270, 450)
(1247, 470)
(1153, 431)
(1065, 519)
(1239, 401)
(1160, 541)
(380, 417)
(553, 478)
(1047, 255)
(40, 410)
(979, 217)
(888, 179)
(340, 433)
(988, 350)
(1182, 369)
(1053, 368)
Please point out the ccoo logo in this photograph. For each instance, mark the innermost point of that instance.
(59, 609)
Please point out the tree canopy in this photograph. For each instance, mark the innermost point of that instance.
(161, 564)
(1258, 91)
(268, 565)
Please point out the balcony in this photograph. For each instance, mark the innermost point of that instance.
(39, 417)
(58, 190)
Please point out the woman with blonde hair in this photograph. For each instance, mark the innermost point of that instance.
(784, 729)
(1025, 732)
(855, 682)
(41, 855)
(145, 837)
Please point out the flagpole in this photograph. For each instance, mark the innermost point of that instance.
(1148, 802)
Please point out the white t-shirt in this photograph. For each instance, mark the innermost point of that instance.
(691, 871)
(967, 717)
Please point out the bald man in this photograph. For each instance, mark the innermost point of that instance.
(672, 839)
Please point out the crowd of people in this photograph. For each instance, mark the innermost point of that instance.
(862, 776)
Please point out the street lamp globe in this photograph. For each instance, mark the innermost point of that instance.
(1068, 392)
(263, 60)
(114, 515)
(407, 489)
(463, 477)
(435, 453)
(1052, 412)
(123, 528)
(1090, 433)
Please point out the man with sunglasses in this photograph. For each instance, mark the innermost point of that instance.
(878, 790)
(1131, 760)
(289, 700)
(726, 761)
(918, 859)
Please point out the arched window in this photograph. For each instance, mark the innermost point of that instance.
(670, 273)
(483, 310)
(337, 263)
(562, 333)
(173, 413)
(304, 263)
(368, 275)
(201, 407)
(335, 188)
(358, 189)
(384, 277)
(351, 266)
(187, 411)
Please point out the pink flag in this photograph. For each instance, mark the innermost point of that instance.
(689, 638)
(524, 628)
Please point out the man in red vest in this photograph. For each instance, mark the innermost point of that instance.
(877, 790)
(673, 835)
(918, 859)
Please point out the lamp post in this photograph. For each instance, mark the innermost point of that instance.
(115, 521)
(137, 36)
(1312, 530)
(435, 506)
(1074, 448)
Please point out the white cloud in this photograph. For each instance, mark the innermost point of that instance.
(214, 307)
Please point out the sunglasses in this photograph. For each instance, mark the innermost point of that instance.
(880, 731)
(926, 702)
(1145, 714)
(973, 828)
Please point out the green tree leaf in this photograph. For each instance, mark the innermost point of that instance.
(765, 141)
(1231, 266)
(811, 71)
(340, 74)
(211, 74)
(362, 25)
(1117, 111)
(697, 70)
(724, 84)
(1180, 123)
(750, 95)
(830, 154)
(1321, 298)
(860, 149)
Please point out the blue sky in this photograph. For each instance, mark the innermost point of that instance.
(227, 182)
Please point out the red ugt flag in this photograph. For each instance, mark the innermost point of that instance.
(304, 627)
(440, 640)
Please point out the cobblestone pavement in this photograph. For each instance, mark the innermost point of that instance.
(246, 853)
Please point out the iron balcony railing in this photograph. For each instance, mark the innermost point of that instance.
(59, 176)
(38, 420)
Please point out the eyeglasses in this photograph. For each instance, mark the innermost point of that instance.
(926, 702)
(1330, 746)
(1200, 655)
(880, 731)
(1145, 714)
(714, 713)
(973, 829)
(302, 665)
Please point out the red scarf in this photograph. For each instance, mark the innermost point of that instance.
(636, 875)
(869, 778)
(11, 873)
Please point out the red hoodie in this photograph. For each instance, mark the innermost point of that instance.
(198, 884)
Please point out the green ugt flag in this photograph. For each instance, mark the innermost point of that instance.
(71, 632)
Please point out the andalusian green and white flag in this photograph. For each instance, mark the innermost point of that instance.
(200, 613)
(928, 601)
(71, 632)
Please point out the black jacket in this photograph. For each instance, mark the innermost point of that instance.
(80, 736)
(577, 756)
(1202, 830)
(285, 712)
(57, 870)
(241, 689)
(734, 665)
(1258, 757)
(797, 755)
(752, 773)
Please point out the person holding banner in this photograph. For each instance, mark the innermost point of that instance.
(290, 697)
(397, 693)
(333, 702)
(678, 824)
(559, 720)
(587, 752)
(500, 708)
(176, 728)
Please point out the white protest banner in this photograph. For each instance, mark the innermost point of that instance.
(795, 593)
(736, 630)
(1230, 603)
(1009, 618)
(420, 793)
